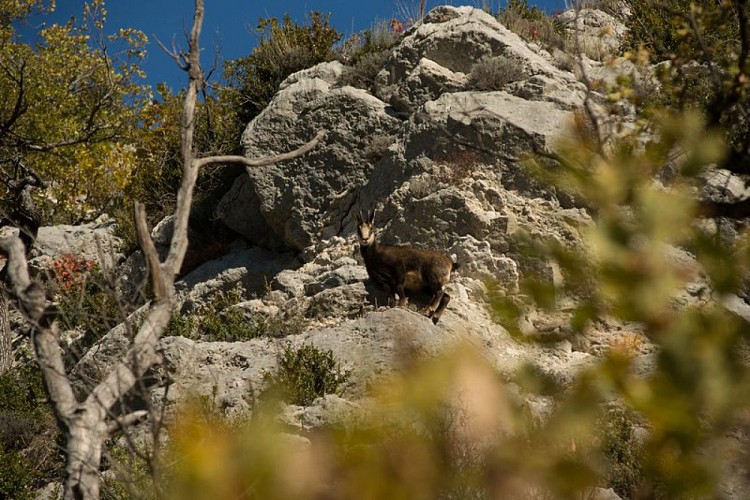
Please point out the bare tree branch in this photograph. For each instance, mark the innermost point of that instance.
(126, 421)
(177, 56)
(20, 106)
(149, 250)
(46, 338)
(260, 162)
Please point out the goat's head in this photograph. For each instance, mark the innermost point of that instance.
(366, 228)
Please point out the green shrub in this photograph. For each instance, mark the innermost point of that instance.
(365, 53)
(689, 35)
(532, 24)
(86, 299)
(16, 477)
(362, 73)
(29, 454)
(381, 37)
(180, 325)
(130, 476)
(623, 451)
(494, 73)
(306, 373)
(231, 325)
(220, 321)
(661, 28)
(284, 48)
(156, 179)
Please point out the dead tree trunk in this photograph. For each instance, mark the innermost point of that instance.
(27, 217)
(88, 423)
(6, 346)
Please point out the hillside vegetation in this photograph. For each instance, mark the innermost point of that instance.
(588, 170)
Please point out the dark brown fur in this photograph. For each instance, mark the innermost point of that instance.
(400, 269)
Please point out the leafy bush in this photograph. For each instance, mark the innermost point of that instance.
(231, 325)
(664, 28)
(362, 73)
(16, 476)
(494, 73)
(381, 37)
(701, 40)
(532, 24)
(70, 109)
(623, 451)
(306, 373)
(86, 299)
(156, 179)
(284, 48)
(220, 321)
(130, 475)
(180, 325)
(29, 455)
(364, 54)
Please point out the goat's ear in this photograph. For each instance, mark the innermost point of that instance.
(358, 218)
(371, 217)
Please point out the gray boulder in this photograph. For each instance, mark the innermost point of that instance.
(251, 269)
(496, 122)
(437, 54)
(599, 34)
(295, 203)
(95, 241)
(226, 374)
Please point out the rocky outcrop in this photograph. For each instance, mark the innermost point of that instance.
(445, 171)
(443, 165)
(294, 203)
(95, 241)
(435, 57)
(599, 33)
(444, 168)
(368, 153)
(450, 176)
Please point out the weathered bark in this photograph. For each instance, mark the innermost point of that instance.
(6, 348)
(84, 451)
(27, 217)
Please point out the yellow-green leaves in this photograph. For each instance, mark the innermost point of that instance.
(80, 108)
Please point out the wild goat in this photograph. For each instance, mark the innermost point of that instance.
(399, 269)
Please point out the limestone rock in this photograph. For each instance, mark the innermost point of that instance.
(227, 374)
(498, 122)
(95, 241)
(295, 203)
(441, 50)
(599, 33)
(724, 186)
(252, 270)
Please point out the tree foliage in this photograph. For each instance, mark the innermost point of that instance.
(158, 167)
(68, 106)
(704, 48)
(284, 48)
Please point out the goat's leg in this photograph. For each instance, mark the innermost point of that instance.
(402, 300)
(390, 294)
(429, 310)
(443, 304)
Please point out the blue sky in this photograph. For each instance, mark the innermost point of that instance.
(230, 23)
